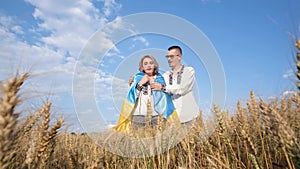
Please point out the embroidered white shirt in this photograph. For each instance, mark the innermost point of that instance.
(182, 93)
(141, 108)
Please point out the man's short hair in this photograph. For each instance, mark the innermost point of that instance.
(175, 47)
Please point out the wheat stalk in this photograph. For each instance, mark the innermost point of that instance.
(8, 118)
(43, 132)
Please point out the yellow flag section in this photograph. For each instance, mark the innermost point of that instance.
(125, 117)
(162, 104)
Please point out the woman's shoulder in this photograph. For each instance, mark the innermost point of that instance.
(140, 74)
(159, 75)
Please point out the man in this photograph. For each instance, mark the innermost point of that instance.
(179, 83)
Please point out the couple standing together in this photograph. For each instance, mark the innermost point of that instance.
(169, 95)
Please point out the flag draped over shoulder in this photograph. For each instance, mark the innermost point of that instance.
(162, 104)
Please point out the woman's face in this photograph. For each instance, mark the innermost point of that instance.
(148, 66)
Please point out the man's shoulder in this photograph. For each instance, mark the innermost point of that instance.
(188, 69)
(166, 72)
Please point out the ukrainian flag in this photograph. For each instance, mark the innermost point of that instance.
(162, 104)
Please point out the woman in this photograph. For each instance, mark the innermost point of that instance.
(142, 105)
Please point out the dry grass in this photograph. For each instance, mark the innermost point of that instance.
(259, 135)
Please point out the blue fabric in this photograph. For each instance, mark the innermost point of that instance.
(162, 101)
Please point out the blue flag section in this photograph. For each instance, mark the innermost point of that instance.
(162, 104)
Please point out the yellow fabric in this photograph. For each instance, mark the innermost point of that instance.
(127, 111)
(125, 117)
(174, 118)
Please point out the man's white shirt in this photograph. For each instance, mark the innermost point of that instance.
(182, 93)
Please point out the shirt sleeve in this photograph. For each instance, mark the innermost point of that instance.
(187, 83)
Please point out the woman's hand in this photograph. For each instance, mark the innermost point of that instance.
(144, 80)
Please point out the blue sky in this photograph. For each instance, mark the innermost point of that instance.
(253, 39)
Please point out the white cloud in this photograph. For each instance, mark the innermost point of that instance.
(70, 23)
(110, 87)
(61, 31)
(64, 27)
(110, 6)
(283, 95)
(6, 22)
(142, 39)
(139, 40)
(289, 74)
(15, 53)
(288, 93)
(17, 29)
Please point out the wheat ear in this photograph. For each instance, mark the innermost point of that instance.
(8, 118)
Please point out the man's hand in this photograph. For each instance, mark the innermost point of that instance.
(155, 86)
(130, 81)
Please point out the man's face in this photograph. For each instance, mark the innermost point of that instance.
(174, 58)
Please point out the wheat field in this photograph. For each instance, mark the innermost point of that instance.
(259, 135)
